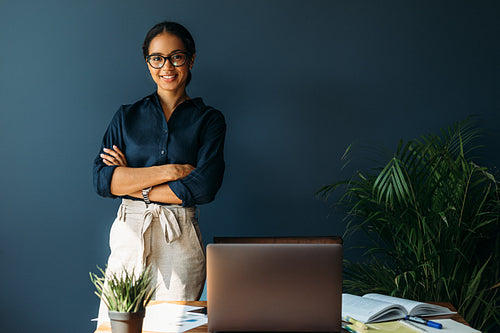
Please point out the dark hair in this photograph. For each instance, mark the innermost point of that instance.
(175, 29)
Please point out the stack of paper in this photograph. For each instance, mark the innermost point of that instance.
(167, 317)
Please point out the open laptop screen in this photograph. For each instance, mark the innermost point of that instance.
(274, 287)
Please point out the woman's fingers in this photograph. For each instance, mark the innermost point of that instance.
(113, 157)
(121, 156)
(107, 162)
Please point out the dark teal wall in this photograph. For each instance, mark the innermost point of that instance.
(297, 80)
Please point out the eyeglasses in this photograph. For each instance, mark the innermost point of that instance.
(158, 61)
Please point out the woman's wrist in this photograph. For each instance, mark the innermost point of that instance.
(162, 193)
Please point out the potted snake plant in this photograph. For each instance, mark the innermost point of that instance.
(126, 295)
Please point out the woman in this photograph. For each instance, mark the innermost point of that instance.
(163, 155)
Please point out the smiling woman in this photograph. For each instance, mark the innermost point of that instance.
(163, 155)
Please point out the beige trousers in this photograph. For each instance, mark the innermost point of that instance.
(167, 237)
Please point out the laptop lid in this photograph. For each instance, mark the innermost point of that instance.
(274, 287)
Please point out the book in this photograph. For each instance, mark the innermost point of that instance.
(372, 308)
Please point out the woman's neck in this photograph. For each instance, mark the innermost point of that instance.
(170, 100)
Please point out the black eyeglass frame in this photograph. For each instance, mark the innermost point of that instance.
(169, 58)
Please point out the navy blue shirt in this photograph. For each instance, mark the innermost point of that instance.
(193, 135)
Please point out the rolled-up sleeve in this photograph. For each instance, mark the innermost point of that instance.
(102, 179)
(202, 184)
(103, 173)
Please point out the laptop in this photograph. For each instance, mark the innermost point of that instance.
(274, 287)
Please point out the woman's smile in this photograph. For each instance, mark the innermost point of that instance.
(168, 77)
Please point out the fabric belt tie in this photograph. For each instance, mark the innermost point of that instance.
(168, 222)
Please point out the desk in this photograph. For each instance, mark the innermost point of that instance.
(105, 328)
(203, 329)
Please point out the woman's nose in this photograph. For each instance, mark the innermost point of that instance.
(168, 64)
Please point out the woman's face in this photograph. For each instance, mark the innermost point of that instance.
(169, 78)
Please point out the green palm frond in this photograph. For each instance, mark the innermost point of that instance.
(432, 217)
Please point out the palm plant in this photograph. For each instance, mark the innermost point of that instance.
(124, 291)
(432, 217)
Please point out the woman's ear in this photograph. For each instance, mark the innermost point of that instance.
(191, 61)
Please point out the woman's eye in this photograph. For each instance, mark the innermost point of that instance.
(156, 58)
(177, 57)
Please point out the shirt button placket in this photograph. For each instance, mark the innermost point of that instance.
(163, 152)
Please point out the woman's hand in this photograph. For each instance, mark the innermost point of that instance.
(180, 171)
(114, 157)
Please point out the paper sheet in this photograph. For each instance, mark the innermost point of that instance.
(449, 326)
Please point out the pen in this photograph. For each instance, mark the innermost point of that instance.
(410, 325)
(355, 322)
(425, 322)
(348, 328)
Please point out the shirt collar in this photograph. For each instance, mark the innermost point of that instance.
(197, 102)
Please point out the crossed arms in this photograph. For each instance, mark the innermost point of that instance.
(130, 181)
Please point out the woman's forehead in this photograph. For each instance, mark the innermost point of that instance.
(166, 43)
